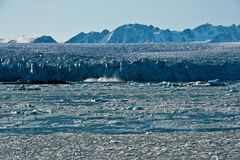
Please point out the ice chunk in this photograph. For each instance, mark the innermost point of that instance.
(216, 82)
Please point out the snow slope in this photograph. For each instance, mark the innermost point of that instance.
(24, 39)
(44, 39)
(133, 62)
(92, 37)
(3, 40)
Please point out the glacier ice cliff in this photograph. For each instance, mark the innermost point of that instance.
(135, 62)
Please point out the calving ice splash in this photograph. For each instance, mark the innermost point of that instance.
(181, 62)
(103, 80)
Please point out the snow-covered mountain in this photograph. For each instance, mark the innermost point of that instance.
(92, 37)
(2, 40)
(138, 33)
(24, 39)
(44, 39)
(132, 33)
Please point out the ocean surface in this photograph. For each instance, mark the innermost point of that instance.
(119, 108)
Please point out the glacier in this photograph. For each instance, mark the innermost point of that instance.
(175, 62)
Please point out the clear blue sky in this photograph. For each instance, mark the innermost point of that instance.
(65, 18)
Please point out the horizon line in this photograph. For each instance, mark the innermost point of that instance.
(33, 37)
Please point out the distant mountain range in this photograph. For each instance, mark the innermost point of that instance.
(139, 33)
(24, 39)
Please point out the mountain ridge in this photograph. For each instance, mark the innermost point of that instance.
(140, 33)
(44, 39)
(24, 39)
